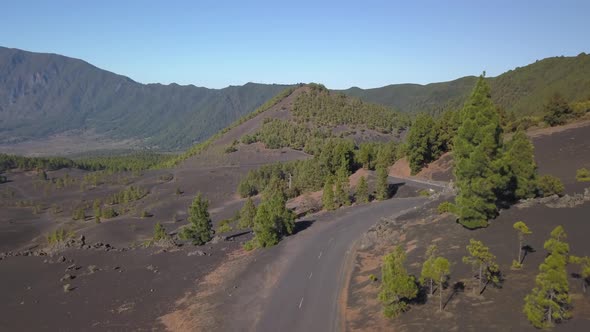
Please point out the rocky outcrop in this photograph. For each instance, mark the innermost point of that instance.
(557, 202)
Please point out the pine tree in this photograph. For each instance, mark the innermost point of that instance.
(273, 220)
(441, 270)
(362, 191)
(200, 229)
(549, 301)
(522, 231)
(247, 214)
(484, 262)
(420, 144)
(427, 275)
(397, 287)
(477, 154)
(382, 187)
(520, 160)
(342, 191)
(328, 195)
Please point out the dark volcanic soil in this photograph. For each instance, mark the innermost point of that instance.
(496, 309)
(561, 154)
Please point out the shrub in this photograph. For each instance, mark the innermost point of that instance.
(516, 265)
(583, 175)
(446, 207)
(159, 232)
(424, 193)
(79, 214)
(373, 278)
(108, 213)
(550, 185)
(250, 245)
(59, 235)
(145, 214)
(224, 226)
(230, 149)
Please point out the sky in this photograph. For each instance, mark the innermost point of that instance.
(341, 44)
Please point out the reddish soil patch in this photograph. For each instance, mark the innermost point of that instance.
(438, 170)
(400, 169)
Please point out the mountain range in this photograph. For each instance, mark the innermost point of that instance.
(48, 94)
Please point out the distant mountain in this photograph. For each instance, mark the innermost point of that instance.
(523, 90)
(46, 94)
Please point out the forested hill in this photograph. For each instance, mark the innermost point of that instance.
(45, 94)
(523, 90)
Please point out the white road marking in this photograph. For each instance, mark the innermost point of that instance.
(320, 255)
(300, 303)
(310, 274)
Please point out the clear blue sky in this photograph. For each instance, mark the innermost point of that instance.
(338, 43)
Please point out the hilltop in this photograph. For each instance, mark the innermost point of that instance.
(523, 90)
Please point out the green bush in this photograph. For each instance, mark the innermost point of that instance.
(159, 232)
(59, 235)
(108, 213)
(446, 207)
(550, 185)
(224, 226)
(583, 175)
(250, 245)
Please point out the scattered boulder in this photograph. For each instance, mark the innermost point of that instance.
(66, 277)
(217, 238)
(92, 269)
(68, 288)
(197, 253)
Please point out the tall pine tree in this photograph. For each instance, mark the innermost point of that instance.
(478, 154)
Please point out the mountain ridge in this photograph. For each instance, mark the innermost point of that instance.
(45, 94)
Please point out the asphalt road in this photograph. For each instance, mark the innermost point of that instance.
(306, 296)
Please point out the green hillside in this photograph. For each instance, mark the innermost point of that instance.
(523, 90)
(45, 94)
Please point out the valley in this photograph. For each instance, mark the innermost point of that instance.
(287, 211)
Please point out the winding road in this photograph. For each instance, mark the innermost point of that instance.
(307, 293)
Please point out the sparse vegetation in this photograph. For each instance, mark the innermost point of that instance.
(224, 226)
(549, 185)
(583, 175)
(79, 214)
(483, 262)
(159, 233)
(59, 235)
(127, 195)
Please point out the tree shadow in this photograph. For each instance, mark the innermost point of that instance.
(233, 236)
(458, 287)
(422, 296)
(527, 250)
(392, 189)
(302, 225)
(583, 281)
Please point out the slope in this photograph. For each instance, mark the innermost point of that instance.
(522, 90)
(47, 94)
